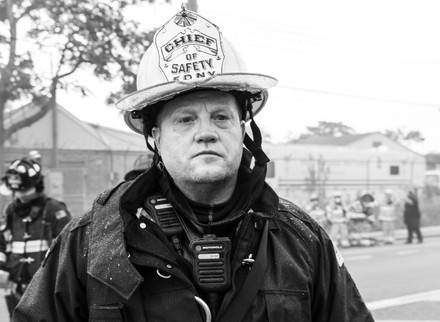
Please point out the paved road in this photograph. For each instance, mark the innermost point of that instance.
(4, 316)
(399, 282)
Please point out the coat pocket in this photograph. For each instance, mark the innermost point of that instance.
(101, 313)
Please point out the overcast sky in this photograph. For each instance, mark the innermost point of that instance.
(373, 65)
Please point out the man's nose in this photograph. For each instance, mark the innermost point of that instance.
(206, 132)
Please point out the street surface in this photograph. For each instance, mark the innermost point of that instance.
(400, 283)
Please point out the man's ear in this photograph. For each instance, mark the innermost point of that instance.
(155, 132)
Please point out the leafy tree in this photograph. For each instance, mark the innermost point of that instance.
(432, 161)
(318, 173)
(401, 135)
(78, 34)
(324, 128)
(330, 129)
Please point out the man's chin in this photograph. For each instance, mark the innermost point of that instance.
(209, 176)
(211, 179)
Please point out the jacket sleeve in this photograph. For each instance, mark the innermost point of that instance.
(337, 298)
(58, 215)
(57, 290)
(2, 250)
(5, 225)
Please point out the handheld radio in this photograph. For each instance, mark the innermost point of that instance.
(211, 262)
(164, 215)
(210, 255)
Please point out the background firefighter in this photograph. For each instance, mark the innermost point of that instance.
(29, 224)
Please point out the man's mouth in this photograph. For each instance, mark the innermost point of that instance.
(208, 152)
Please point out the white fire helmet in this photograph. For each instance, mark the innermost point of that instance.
(388, 192)
(314, 197)
(187, 53)
(337, 194)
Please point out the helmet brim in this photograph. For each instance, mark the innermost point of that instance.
(254, 83)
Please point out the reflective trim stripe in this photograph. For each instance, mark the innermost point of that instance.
(32, 246)
(2, 257)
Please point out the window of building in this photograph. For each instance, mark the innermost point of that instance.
(394, 170)
(270, 170)
(377, 144)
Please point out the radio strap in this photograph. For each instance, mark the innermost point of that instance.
(242, 301)
(161, 210)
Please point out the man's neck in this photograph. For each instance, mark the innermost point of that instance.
(208, 193)
(28, 195)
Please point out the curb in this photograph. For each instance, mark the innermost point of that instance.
(401, 234)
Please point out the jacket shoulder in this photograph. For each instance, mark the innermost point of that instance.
(290, 210)
(298, 220)
(114, 192)
(55, 210)
(102, 199)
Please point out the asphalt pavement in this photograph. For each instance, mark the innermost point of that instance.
(399, 282)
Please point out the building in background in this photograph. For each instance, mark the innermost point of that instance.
(88, 159)
(350, 164)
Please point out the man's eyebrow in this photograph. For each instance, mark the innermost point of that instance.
(184, 109)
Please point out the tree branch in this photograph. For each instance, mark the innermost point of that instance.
(75, 67)
(44, 106)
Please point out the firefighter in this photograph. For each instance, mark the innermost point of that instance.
(30, 223)
(199, 236)
(337, 215)
(315, 210)
(362, 216)
(387, 217)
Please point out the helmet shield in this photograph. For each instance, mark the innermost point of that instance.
(187, 53)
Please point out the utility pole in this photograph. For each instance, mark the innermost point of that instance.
(53, 102)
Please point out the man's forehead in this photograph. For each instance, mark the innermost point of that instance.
(194, 99)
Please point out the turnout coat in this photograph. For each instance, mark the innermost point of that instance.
(105, 266)
(28, 233)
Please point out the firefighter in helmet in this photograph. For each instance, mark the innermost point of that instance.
(387, 216)
(31, 221)
(337, 214)
(316, 211)
(199, 236)
(362, 216)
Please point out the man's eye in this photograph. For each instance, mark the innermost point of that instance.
(185, 119)
(222, 117)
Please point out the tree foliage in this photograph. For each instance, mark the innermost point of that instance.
(327, 129)
(401, 135)
(76, 34)
(330, 129)
(318, 173)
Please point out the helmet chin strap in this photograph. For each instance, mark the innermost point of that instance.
(27, 195)
(254, 146)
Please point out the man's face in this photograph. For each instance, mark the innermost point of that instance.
(14, 181)
(200, 137)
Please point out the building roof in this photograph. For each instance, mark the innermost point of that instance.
(344, 140)
(72, 132)
(365, 141)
